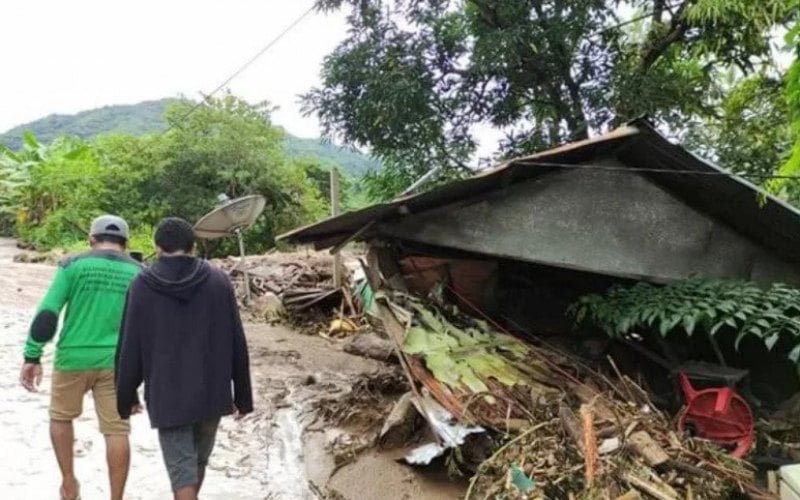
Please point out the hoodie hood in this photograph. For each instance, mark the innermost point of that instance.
(178, 277)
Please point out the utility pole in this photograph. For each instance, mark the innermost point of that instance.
(335, 209)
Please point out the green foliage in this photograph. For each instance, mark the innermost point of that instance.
(463, 357)
(349, 161)
(141, 240)
(57, 186)
(750, 134)
(227, 146)
(142, 118)
(148, 118)
(698, 306)
(13, 177)
(415, 80)
(792, 165)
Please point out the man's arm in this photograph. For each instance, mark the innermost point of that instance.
(242, 389)
(45, 323)
(128, 371)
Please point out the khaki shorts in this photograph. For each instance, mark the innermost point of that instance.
(66, 401)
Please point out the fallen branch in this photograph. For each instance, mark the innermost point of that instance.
(647, 487)
(589, 445)
(571, 424)
(646, 447)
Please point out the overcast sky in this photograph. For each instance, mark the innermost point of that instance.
(62, 56)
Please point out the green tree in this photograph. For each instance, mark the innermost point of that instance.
(225, 146)
(415, 78)
(57, 189)
(229, 146)
(14, 176)
(792, 165)
(749, 134)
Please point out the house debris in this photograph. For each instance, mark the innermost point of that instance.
(472, 282)
(300, 284)
(572, 430)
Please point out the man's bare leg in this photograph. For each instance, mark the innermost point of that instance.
(187, 493)
(118, 456)
(63, 438)
(201, 474)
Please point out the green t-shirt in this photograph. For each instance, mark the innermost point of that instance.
(93, 287)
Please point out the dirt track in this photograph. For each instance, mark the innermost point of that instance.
(268, 455)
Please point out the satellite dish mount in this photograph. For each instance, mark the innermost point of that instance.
(232, 218)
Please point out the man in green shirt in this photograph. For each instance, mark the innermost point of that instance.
(92, 286)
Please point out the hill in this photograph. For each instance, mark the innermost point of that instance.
(146, 117)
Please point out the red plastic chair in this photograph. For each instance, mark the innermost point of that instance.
(718, 414)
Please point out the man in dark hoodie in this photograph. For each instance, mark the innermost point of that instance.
(182, 336)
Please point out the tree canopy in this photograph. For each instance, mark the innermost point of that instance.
(792, 165)
(149, 118)
(415, 79)
(226, 146)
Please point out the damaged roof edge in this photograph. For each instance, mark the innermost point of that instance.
(341, 226)
(332, 231)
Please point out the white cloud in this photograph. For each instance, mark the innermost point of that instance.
(65, 57)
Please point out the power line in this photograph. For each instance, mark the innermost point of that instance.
(590, 166)
(140, 149)
(246, 65)
(613, 168)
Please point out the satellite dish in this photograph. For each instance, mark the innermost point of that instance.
(230, 218)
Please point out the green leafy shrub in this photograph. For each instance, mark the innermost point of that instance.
(706, 306)
(50, 193)
(141, 240)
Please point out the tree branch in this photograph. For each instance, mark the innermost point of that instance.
(658, 10)
(678, 27)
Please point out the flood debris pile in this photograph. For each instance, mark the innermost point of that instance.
(294, 285)
(365, 402)
(358, 412)
(563, 429)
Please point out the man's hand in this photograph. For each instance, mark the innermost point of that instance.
(31, 376)
(136, 409)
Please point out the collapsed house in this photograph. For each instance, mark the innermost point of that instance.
(522, 241)
(517, 244)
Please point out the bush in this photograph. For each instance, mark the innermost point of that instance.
(697, 305)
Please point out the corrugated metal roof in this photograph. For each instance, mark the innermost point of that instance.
(733, 200)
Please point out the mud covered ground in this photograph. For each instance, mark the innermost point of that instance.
(281, 451)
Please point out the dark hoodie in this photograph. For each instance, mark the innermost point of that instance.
(182, 336)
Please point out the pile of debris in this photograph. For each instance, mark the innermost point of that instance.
(297, 283)
(568, 431)
(354, 415)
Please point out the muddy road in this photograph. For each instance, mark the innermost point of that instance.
(278, 452)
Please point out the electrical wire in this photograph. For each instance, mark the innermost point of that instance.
(247, 64)
(140, 149)
(615, 168)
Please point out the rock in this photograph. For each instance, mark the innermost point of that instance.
(267, 305)
(369, 345)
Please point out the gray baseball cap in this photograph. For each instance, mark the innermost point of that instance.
(109, 225)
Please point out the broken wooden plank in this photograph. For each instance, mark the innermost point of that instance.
(646, 447)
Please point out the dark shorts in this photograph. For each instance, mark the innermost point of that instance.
(186, 450)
